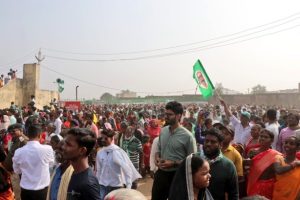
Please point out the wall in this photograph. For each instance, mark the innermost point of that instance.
(20, 90)
(44, 97)
(31, 79)
(278, 99)
(8, 93)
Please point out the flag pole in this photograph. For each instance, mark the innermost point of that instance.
(218, 95)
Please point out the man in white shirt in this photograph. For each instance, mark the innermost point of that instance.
(33, 161)
(114, 168)
(58, 123)
(11, 116)
(154, 150)
(272, 125)
(242, 127)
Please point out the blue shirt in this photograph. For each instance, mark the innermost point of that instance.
(55, 184)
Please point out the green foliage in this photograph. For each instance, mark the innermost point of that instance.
(259, 89)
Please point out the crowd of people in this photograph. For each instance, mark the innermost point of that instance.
(12, 74)
(192, 151)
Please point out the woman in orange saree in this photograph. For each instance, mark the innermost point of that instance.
(261, 177)
(287, 185)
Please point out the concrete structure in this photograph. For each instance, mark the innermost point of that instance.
(20, 90)
(273, 99)
(288, 100)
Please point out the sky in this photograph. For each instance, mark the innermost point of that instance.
(150, 47)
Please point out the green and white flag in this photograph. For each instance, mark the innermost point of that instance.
(204, 84)
(60, 84)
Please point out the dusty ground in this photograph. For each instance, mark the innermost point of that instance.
(145, 187)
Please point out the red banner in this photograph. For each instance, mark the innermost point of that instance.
(72, 105)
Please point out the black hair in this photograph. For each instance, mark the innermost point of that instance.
(124, 124)
(294, 115)
(262, 125)
(34, 131)
(16, 126)
(271, 114)
(55, 139)
(270, 133)
(207, 121)
(84, 138)
(12, 111)
(108, 133)
(89, 116)
(141, 114)
(297, 140)
(176, 107)
(196, 163)
(214, 132)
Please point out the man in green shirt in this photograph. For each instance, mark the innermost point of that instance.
(224, 180)
(174, 145)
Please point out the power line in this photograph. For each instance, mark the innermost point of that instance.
(111, 88)
(182, 45)
(2, 66)
(192, 50)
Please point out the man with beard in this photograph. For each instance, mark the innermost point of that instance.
(174, 145)
(224, 180)
(78, 144)
(61, 176)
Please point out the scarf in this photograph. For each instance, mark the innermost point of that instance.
(210, 161)
(64, 184)
(123, 159)
(182, 187)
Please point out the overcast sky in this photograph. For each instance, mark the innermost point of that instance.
(247, 42)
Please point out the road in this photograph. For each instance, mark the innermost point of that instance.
(145, 187)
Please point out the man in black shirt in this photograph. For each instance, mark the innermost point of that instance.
(83, 185)
(224, 178)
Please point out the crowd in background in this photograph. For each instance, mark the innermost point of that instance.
(193, 151)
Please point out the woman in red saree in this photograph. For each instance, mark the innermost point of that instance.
(153, 129)
(261, 177)
(287, 186)
(253, 142)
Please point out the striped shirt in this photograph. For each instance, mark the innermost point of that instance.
(133, 147)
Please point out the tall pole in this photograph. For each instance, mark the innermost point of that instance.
(77, 92)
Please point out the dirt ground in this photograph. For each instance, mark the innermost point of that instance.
(144, 186)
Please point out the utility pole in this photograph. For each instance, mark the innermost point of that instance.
(77, 92)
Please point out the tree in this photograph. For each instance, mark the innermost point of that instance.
(259, 89)
(107, 97)
(219, 89)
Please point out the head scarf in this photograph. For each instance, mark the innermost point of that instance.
(182, 186)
